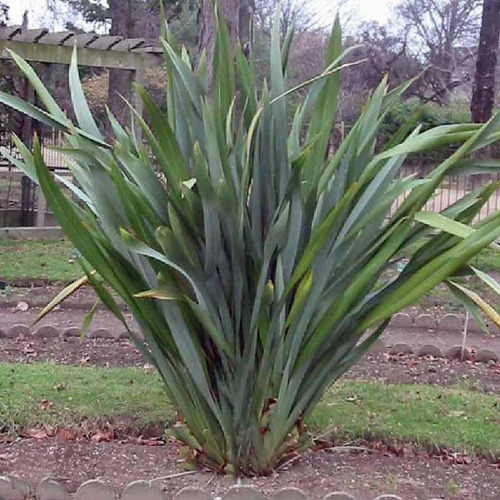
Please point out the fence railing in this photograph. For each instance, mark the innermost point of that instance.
(453, 188)
(19, 199)
(19, 194)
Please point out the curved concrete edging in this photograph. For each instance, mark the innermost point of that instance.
(12, 488)
(483, 355)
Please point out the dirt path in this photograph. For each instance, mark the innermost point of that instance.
(66, 318)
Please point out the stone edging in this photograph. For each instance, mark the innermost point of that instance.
(52, 331)
(379, 347)
(448, 322)
(12, 488)
(430, 350)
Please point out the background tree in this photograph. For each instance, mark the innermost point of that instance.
(120, 81)
(441, 33)
(127, 18)
(298, 10)
(238, 15)
(4, 13)
(483, 92)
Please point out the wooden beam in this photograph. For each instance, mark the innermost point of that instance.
(149, 49)
(9, 31)
(56, 38)
(129, 44)
(61, 54)
(105, 42)
(82, 40)
(29, 36)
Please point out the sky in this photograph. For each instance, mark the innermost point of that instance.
(377, 10)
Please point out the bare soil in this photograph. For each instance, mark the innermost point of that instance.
(70, 351)
(364, 475)
(38, 293)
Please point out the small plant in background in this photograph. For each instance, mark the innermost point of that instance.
(252, 260)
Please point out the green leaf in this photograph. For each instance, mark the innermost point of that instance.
(61, 297)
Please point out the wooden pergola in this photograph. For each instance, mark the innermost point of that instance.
(100, 51)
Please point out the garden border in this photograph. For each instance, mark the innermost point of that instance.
(379, 347)
(12, 488)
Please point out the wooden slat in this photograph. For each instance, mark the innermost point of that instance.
(82, 40)
(149, 49)
(7, 32)
(56, 38)
(105, 42)
(29, 36)
(129, 44)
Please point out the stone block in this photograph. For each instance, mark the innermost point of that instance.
(378, 347)
(22, 486)
(290, 494)
(451, 323)
(18, 330)
(339, 495)
(402, 320)
(401, 348)
(191, 493)
(430, 350)
(7, 490)
(426, 322)
(142, 490)
(94, 490)
(47, 332)
(243, 493)
(455, 352)
(101, 333)
(48, 489)
(485, 355)
(2, 334)
(72, 332)
(388, 497)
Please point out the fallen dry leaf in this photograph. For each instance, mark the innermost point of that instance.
(35, 433)
(64, 435)
(150, 442)
(102, 436)
(45, 404)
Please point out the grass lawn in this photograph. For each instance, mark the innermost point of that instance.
(61, 396)
(49, 259)
(37, 259)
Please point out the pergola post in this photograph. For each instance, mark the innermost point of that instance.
(140, 80)
(105, 51)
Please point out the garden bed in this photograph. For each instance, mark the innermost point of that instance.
(364, 475)
(87, 409)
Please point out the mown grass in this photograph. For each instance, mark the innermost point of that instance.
(50, 260)
(61, 396)
(37, 260)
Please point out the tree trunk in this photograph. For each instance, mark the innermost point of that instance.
(238, 15)
(120, 80)
(483, 92)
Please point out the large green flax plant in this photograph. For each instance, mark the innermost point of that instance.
(254, 261)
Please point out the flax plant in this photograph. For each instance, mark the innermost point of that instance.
(253, 258)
